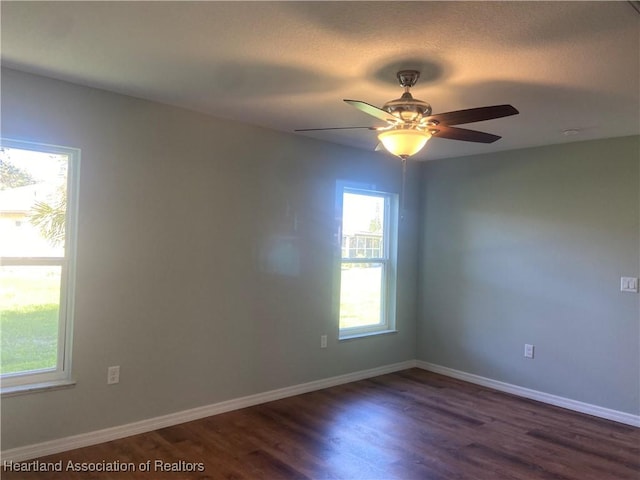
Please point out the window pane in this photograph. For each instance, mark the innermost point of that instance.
(33, 203)
(360, 294)
(362, 226)
(29, 313)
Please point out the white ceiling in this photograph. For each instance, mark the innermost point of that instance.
(287, 65)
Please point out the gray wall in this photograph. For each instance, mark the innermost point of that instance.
(177, 211)
(529, 246)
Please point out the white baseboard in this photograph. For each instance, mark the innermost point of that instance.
(106, 435)
(615, 415)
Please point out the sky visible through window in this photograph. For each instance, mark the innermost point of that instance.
(28, 178)
(41, 166)
(360, 212)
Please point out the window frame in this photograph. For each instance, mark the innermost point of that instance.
(20, 382)
(388, 261)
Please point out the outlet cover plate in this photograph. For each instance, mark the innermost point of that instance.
(629, 284)
(113, 375)
(528, 350)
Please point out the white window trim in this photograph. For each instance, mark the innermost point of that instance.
(60, 377)
(389, 262)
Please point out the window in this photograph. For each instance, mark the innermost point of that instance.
(38, 203)
(368, 220)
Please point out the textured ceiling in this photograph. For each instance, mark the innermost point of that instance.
(287, 65)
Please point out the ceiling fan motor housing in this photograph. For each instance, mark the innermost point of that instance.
(407, 108)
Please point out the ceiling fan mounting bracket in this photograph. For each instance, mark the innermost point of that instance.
(408, 78)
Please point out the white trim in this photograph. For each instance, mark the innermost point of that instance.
(365, 335)
(100, 436)
(575, 405)
(60, 374)
(36, 387)
(388, 261)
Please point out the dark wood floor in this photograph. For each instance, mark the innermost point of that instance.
(406, 425)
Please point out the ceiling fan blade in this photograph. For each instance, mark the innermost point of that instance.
(453, 133)
(331, 128)
(471, 115)
(373, 111)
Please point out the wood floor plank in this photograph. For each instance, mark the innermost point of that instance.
(406, 425)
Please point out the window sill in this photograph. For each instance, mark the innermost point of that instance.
(36, 387)
(365, 334)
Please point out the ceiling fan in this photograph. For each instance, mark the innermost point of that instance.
(410, 123)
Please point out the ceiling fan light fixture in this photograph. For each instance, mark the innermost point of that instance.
(404, 142)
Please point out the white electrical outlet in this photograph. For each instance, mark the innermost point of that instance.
(629, 284)
(323, 341)
(528, 350)
(113, 375)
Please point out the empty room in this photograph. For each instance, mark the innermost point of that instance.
(320, 240)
